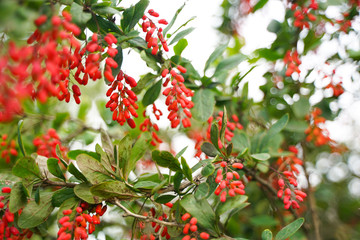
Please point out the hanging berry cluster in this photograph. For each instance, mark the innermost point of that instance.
(303, 14)
(86, 218)
(158, 229)
(122, 99)
(46, 144)
(292, 62)
(290, 160)
(287, 185)
(7, 149)
(154, 33)
(231, 185)
(148, 126)
(177, 95)
(191, 230)
(316, 130)
(8, 228)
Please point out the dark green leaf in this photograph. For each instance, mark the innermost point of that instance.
(290, 229)
(26, 168)
(237, 202)
(144, 82)
(79, 17)
(102, 25)
(209, 149)
(54, 168)
(152, 94)
(181, 35)
(60, 118)
(274, 26)
(20, 142)
(202, 191)
(208, 170)
(82, 191)
(34, 214)
(37, 195)
(202, 210)
(223, 126)
(180, 46)
(133, 14)
(179, 154)
(61, 196)
(259, 5)
(60, 156)
(177, 181)
(74, 171)
(214, 135)
(164, 198)
(204, 102)
(92, 169)
(145, 184)
(301, 107)
(113, 189)
(74, 153)
(18, 197)
(186, 169)
(166, 159)
(118, 59)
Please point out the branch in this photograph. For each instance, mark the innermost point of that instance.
(128, 213)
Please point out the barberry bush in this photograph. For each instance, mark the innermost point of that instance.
(250, 169)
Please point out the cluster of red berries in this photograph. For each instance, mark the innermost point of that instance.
(336, 86)
(83, 224)
(289, 191)
(147, 125)
(191, 230)
(7, 149)
(8, 229)
(290, 160)
(122, 99)
(154, 33)
(292, 62)
(177, 95)
(229, 185)
(302, 14)
(158, 228)
(46, 144)
(316, 130)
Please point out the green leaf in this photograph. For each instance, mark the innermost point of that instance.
(180, 46)
(208, 170)
(266, 235)
(261, 156)
(74, 153)
(152, 94)
(241, 141)
(204, 102)
(186, 169)
(201, 210)
(54, 168)
(209, 149)
(150, 60)
(171, 23)
(34, 214)
(274, 129)
(166, 159)
(60, 118)
(145, 184)
(112, 189)
(79, 17)
(179, 154)
(223, 126)
(61, 196)
(238, 202)
(214, 55)
(92, 169)
(214, 135)
(165, 198)
(274, 26)
(229, 63)
(181, 35)
(159, 186)
(144, 82)
(37, 195)
(138, 150)
(20, 142)
(301, 107)
(259, 5)
(60, 156)
(289, 230)
(133, 14)
(18, 197)
(202, 191)
(103, 25)
(26, 168)
(118, 59)
(74, 171)
(103, 10)
(124, 151)
(177, 181)
(82, 191)
(263, 220)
